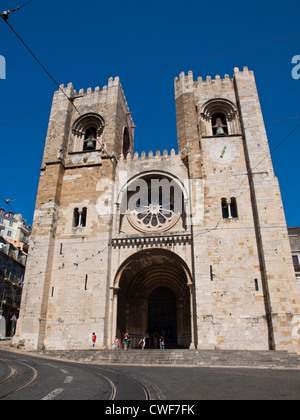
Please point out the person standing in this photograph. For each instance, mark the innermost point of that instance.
(162, 343)
(116, 343)
(128, 341)
(94, 339)
(125, 342)
(142, 343)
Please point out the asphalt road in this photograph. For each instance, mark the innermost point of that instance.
(24, 377)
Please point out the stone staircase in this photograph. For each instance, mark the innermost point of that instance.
(211, 358)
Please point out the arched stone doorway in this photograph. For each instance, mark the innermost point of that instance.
(153, 291)
(162, 314)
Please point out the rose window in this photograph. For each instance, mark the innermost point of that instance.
(154, 215)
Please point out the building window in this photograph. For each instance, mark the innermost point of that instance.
(126, 142)
(153, 204)
(225, 211)
(83, 217)
(79, 217)
(229, 208)
(219, 117)
(233, 208)
(87, 131)
(296, 262)
(76, 218)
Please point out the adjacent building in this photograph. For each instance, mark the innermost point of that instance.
(14, 227)
(12, 270)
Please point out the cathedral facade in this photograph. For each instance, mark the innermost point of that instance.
(193, 246)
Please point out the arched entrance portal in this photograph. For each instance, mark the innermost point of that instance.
(162, 314)
(153, 290)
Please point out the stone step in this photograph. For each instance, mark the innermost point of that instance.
(267, 359)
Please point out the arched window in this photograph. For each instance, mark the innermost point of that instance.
(225, 211)
(153, 203)
(83, 217)
(229, 208)
(79, 217)
(220, 117)
(233, 208)
(87, 131)
(76, 217)
(126, 142)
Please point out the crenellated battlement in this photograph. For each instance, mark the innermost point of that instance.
(112, 82)
(90, 94)
(187, 83)
(149, 156)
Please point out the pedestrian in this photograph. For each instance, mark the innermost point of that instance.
(162, 343)
(125, 342)
(94, 339)
(142, 343)
(128, 341)
(116, 343)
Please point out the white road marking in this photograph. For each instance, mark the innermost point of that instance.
(53, 394)
(58, 391)
(68, 379)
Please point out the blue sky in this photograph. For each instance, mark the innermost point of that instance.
(86, 42)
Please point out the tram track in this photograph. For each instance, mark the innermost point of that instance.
(146, 391)
(113, 387)
(63, 379)
(9, 375)
(15, 373)
(119, 382)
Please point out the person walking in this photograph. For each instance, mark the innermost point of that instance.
(142, 343)
(116, 343)
(126, 341)
(94, 339)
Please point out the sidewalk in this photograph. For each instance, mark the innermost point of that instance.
(174, 358)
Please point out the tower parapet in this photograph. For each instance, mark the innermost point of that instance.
(186, 82)
(150, 156)
(94, 112)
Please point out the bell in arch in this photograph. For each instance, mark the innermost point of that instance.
(220, 127)
(90, 142)
(220, 131)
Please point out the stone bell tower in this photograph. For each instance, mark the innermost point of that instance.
(246, 295)
(69, 244)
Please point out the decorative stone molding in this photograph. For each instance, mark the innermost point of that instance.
(152, 241)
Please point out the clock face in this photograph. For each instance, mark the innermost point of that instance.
(222, 152)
